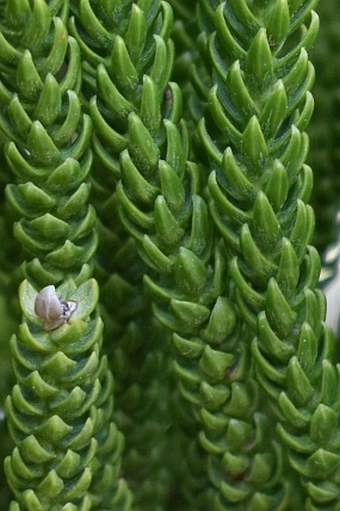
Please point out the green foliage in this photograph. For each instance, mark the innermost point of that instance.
(258, 196)
(59, 411)
(153, 170)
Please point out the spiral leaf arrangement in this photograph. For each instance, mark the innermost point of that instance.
(160, 205)
(128, 114)
(112, 47)
(59, 410)
(190, 298)
(259, 188)
(51, 172)
(68, 450)
(214, 323)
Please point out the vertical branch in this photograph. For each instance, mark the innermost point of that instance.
(259, 190)
(118, 50)
(68, 449)
(138, 116)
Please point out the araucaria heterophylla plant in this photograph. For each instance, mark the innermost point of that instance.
(157, 244)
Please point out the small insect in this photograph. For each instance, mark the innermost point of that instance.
(51, 310)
